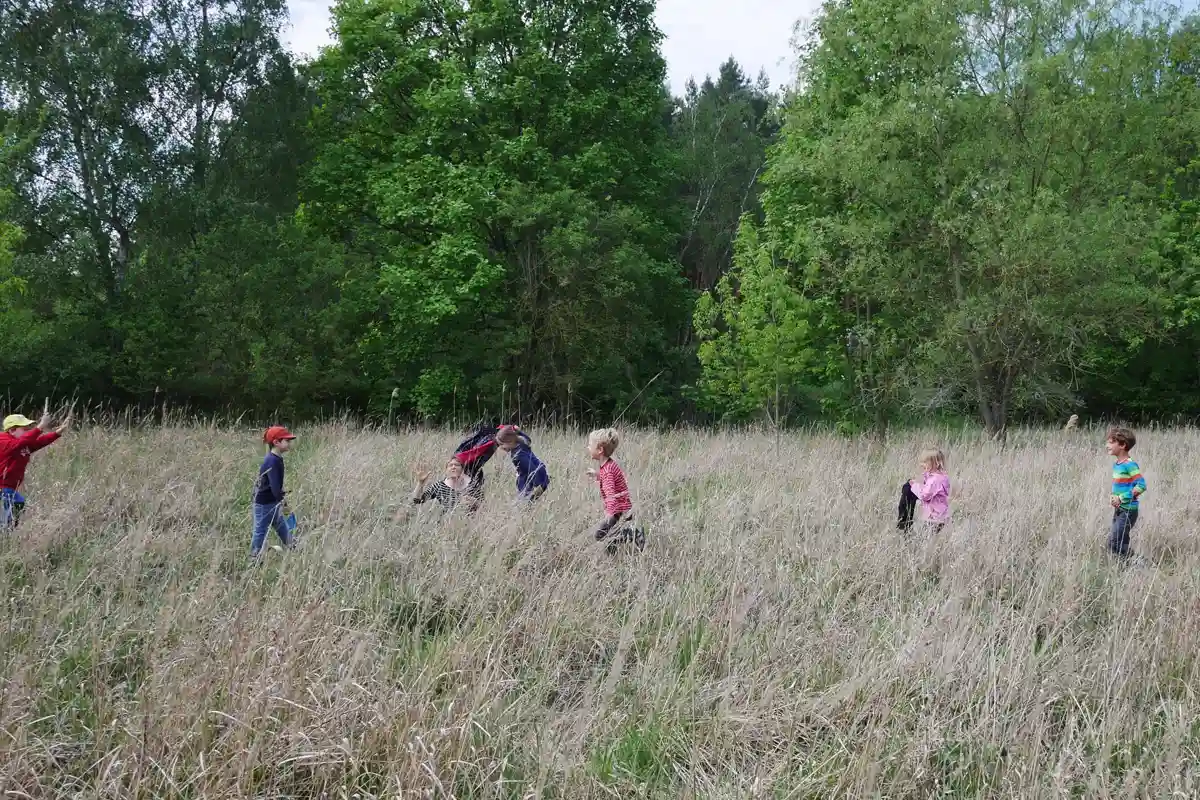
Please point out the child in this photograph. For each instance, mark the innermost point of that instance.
(455, 488)
(1128, 486)
(932, 489)
(618, 508)
(270, 508)
(20, 439)
(475, 451)
(532, 477)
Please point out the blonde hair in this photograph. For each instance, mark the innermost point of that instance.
(606, 438)
(935, 458)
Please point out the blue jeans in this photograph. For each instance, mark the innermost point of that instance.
(11, 506)
(268, 516)
(1118, 535)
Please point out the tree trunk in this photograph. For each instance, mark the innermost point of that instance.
(993, 392)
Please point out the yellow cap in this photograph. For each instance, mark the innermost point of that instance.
(16, 421)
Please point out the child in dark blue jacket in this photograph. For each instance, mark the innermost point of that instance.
(532, 477)
(270, 507)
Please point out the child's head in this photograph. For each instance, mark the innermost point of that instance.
(278, 438)
(454, 469)
(1120, 441)
(15, 424)
(933, 460)
(602, 443)
(508, 439)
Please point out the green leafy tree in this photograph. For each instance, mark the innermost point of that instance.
(506, 164)
(10, 238)
(756, 339)
(976, 178)
(1158, 376)
(155, 159)
(722, 130)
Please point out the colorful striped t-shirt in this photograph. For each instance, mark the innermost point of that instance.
(1127, 476)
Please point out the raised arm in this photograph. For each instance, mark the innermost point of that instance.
(45, 440)
(420, 494)
(29, 438)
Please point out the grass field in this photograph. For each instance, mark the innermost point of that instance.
(776, 639)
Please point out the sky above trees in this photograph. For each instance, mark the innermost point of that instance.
(700, 34)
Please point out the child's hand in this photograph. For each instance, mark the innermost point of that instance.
(1115, 501)
(422, 477)
(66, 423)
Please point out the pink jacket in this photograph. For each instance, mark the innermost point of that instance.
(933, 490)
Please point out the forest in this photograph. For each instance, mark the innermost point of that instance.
(958, 209)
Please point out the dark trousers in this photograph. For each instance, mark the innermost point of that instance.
(619, 529)
(1118, 535)
(907, 508)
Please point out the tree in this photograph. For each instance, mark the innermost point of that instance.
(722, 130)
(507, 165)
(155, 158)
(977, 176)
(1158, 376)
(755, 338)
(10, 238)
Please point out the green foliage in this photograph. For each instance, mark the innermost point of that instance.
(721, 130)
(974, 210)
(505, 165)
(755, 337)
(958, 209)
(10, 237)
(641, 755)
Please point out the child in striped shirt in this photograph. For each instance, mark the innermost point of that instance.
(618, 527)
(455, 489)
(1128, 486)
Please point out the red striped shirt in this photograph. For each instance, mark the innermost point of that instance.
(613, 489)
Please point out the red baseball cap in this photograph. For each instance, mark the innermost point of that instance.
(277, 433)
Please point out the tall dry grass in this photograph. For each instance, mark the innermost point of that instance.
(776, 639)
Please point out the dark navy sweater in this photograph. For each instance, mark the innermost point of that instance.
(531, 472)
(269, 489)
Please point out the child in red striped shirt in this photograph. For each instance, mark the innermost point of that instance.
(618, 527)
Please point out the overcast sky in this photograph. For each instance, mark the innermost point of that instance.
(700, 34)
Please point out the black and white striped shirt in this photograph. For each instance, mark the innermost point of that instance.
(448, 497)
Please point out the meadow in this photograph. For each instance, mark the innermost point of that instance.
(777, 638)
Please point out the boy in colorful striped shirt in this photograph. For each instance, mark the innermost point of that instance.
(1127, 488)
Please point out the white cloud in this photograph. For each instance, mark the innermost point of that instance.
(699, 35)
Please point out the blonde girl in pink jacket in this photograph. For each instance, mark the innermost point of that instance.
(933, 489)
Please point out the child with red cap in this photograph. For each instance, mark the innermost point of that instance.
(270, 508)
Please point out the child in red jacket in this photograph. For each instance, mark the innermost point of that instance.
(20, 439)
